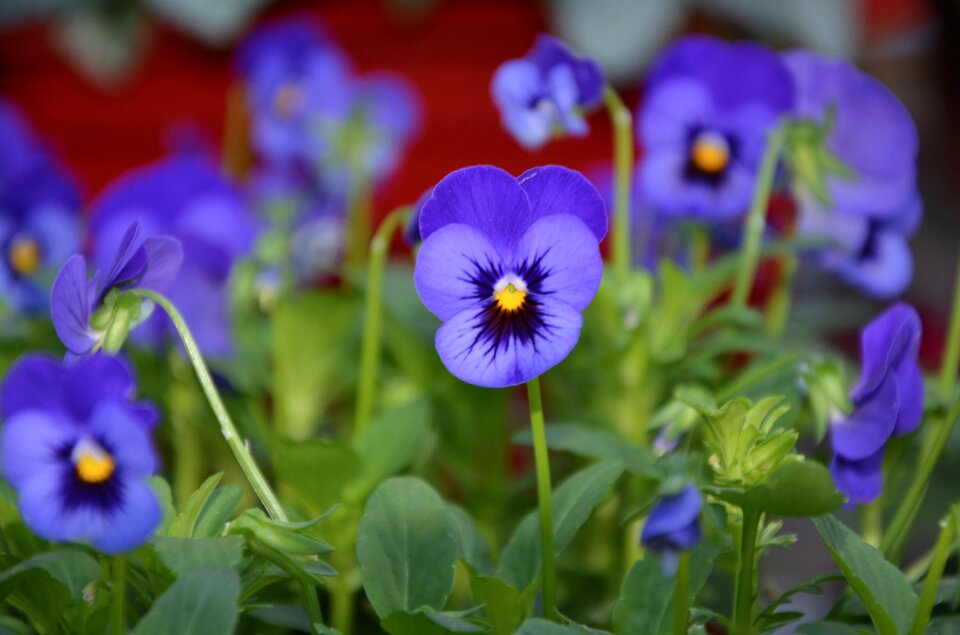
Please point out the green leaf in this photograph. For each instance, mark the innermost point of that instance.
(289, 538)
(473, 548)
(161, 488)
(537, 626)
(428, 622)
(313, 474)
(201, 601)
(795, 488)
(407, 547)
(182, 555)
(392, 441)
(830, 628)
(646, 599)
(74, 569)
(573, 502)
(183, 525)
(505, 606)
(885, 591)
(595, 443)
(217, 511)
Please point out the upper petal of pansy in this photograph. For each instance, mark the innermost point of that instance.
(30, 443)
(893, 335)
(909, 380)
(164, 256)
(478, 353)
(95, 379)
(553, 189)
(128, 263)
(484, 197)
(515, 83)
(112, 424)
(885, 271)
(870, 425)
(70, 306)
(565, 254)
(448, 263)
(670, 110)
(32, 383)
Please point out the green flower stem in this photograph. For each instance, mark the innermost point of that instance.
(681, 598)
(118, 595)
(951, 354)
(928, 594)
(699, 246)
(358, 228)
(373, 317)
(871, 522)
(778, 306)
(756, 219)
(896, 535)
(622, 122)
(746, 574)
(544, 497)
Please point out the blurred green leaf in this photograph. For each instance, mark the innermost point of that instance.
(428, 622)
(201, 601)
(407, 547)
(505, 606)
(595, 443)
(313, 474)
(218, 509)
(796, 488)
(473, 548)
(390, 443)
(183, 525)
(182, 555)
(538, 626)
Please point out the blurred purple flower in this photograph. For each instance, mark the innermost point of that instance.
(703, 125)
(873, 205)
(184, 197)
(151, 263)
(78, 452)
(508, 264)
(39, 215)
(546, 92)
(887, 403)
(674, 526)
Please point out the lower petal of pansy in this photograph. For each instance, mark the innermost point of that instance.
(909, 379)
(867, 430)
(131, 523)
(447, 266)
(562, 255)
(483, 348)
(860, 481)
(891, 336)
(884, 273)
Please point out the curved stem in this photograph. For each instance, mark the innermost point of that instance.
(373, 314)
(622, 122)
(681, 598)
(746, 570)
(756, 219)
(951, 354)
(118, 595)
(229, 431)
(928, 594)
(544, 493)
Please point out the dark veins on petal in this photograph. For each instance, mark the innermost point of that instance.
(498, 327)
(105, 496)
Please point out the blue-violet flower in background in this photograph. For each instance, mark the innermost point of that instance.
(546, 92)
(78, 452)
(887, 403)
(39, 215)
(673, 526)
(184, 197)
(508, 264)
(704, 122)
(872, 206)
(151, 263)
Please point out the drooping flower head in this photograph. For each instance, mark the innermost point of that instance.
(674, 526)
(78, 452)
(704, 124)
(887, 403)
(184, 197)
(39, 215)
(508, 264)
(867, 202)
(151, 263)
(546, 92)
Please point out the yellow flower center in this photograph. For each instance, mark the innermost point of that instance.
(25, 256)
(287, 99)
(510, 293)
(710, 153)
(93, 463)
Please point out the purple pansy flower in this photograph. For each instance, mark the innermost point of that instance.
(39, 215)
(78, 452)
(873, 205)
(185, 197)
(704, 124)
(151, 263)
(546, 92)
(508, 264)
(887, 402)
(674, 525)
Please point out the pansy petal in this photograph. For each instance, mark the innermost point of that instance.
(673, 513)
(909, 380)
(112, 425)
(31, 440)
(860, 481)
(886, 272)
(483, 196)
(93, 380)
(553, 189)
(32, 383)
(40, 499)
(70, 306)
(131, 523)
(128, 263)
(474, 354)
(447, 265)
(888, 338)
(164, 256)
(565, 253)
(869, 428)
(669, 111)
